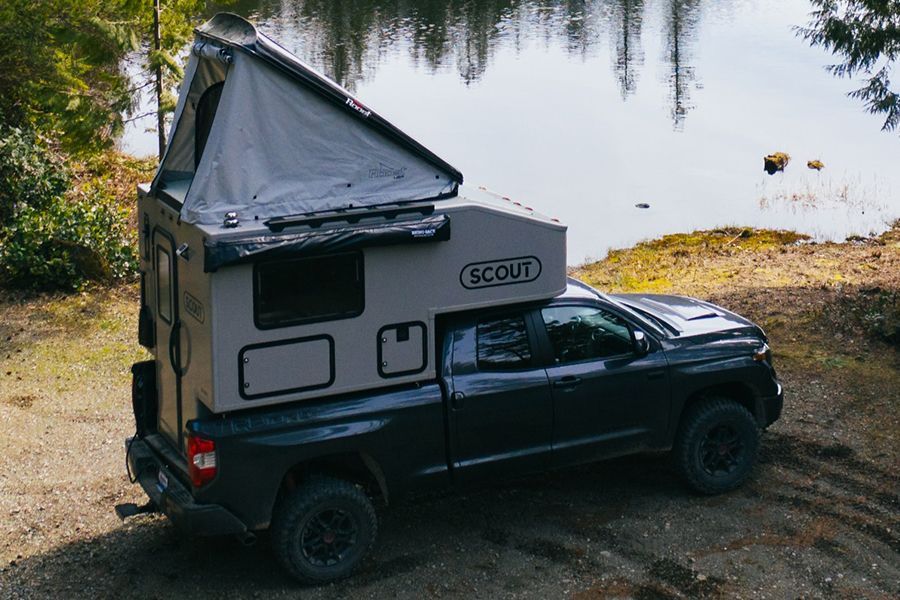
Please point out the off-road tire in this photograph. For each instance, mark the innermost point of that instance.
(717, 446)
(322, 530)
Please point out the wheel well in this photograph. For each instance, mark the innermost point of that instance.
(360, 469)
(739, 392)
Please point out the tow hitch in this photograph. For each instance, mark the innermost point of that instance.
(123, 511)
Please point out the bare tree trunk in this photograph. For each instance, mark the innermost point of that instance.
(160, 119)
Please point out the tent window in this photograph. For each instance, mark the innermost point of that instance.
(306, 290)
(206, 112)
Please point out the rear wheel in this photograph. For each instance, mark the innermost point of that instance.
(323, 530)
(717, 445)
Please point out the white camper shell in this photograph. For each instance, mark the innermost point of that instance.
(295, 244)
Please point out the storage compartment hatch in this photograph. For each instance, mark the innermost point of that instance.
(286, 367)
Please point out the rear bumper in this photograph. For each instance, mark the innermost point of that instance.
(174, 499)
(772, 406)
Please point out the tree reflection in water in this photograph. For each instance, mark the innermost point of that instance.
(682, 17)
(627, 20)
(346, 39)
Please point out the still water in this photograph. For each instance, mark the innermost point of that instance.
(586, 109)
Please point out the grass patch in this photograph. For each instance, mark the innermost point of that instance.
(80, 345)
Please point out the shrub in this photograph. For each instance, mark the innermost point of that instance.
(51, 237)
(30, 172)
(882, 316)
(68, 241)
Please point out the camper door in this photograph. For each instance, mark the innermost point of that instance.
(169, 332)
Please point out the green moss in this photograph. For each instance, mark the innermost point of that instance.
(776, 162)
(679, 261)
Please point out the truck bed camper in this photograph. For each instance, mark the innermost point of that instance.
(334, 318)
(295, 244)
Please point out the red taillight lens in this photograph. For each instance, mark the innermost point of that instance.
(201, 460)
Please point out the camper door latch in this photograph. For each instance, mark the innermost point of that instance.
(183, 252)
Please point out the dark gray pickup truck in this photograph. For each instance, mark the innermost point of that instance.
(579, 378)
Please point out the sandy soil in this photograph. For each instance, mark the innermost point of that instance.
(819, 519)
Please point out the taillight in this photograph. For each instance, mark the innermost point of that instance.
(201, 460)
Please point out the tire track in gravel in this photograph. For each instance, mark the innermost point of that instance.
(828, 481)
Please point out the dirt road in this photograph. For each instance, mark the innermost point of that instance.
(819, 519)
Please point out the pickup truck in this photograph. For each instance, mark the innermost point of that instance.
(522, 388)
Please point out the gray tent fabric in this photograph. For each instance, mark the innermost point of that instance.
(284, 140)
(208, 65)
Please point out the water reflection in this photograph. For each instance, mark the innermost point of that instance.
(627, 18)
(346, 39)
(526, 97)
(682, 18)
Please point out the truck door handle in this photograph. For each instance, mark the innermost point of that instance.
(567, 382)
(457, 399)
(656, 375)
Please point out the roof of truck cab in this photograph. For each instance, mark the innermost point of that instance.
(579, 290)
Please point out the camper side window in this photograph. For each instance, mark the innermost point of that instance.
(305, 290)
(164, 284)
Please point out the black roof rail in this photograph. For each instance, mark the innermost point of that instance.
(346, 215)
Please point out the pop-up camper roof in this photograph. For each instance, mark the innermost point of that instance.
(260, 133)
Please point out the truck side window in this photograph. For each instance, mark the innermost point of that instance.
(503, 344)
(583, 333)
(304, 290)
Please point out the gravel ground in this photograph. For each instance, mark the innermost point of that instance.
(819, 519)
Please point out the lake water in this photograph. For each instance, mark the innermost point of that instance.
(585, 109)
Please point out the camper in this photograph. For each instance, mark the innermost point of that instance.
(295, 244)
(334, 317)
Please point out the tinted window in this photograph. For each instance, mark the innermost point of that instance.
(503, 344)
(584, 333)
(302, 290)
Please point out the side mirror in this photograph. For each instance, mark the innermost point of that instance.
(641, 344)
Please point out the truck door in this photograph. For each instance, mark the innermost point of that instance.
(501, 408)
(168, 336)
(607, 399)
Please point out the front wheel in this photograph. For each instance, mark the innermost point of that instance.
(717, 445)
(323, 530)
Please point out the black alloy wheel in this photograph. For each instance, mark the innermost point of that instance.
(721, 450)
(716, 446)
(323, 529)
(328, 537)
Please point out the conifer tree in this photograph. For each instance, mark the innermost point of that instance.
(62, 64)
(866, 35)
